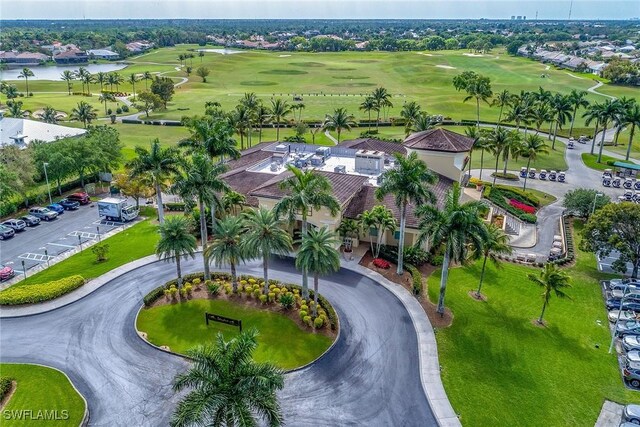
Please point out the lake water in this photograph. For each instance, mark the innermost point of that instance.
(221, 51)
(53, 72)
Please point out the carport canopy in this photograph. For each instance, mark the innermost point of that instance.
(631, 166)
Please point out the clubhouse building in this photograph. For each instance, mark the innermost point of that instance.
(354, 168)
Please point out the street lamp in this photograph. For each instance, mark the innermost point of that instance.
(45, 164)
(593, 208)
(98, 229)
(24, 270)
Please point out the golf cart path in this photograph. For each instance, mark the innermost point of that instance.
(375, 374)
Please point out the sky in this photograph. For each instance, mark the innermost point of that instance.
(317, 9)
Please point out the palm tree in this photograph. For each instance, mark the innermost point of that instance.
(305, 190)
(368, 105)
(497, 141)
(512, 149)
(11, 91)
(49, 115)
(480, 89)
(101, 77)
(551, 280)
(201, 55)
(84, 112)
(593, 114)
(80, 74)
(533, 145)
(423, 122)
(318, 255)
(240, 120)
(298, 107)
(265, 234)
(104, 98)
(251, 102)
(157, 165)
(176, 242)
(340, 120)
(133, 78)
(382, 99)
(540, 115)
(623, 104)
(117, 80)
(146, 76)
(577, 99)
(473, 133)
(497, 243)
(410, 113)
(608, 114)
(232, 202)
(279, 110)
(503, 99)
(15, 109)
(227, 386)
(458, 227)
(562, 108)
(68, 77)
(201, 181)
(25, 74)
(519, 112)
(408, 182)
(631, 117)
(88, 79)
(381, 219)
(482, 144)
(112, 79)
(227, 245)
(263, 115)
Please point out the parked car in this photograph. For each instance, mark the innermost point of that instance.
(630, 291)
(59, 209)
(615, 283)
(30, 220)
(69, 205)
(631, 342)
(629, 304)
(16, 224)
(82, 198)
(624, 315)
(631, 413)
(6, 232)
(631, 374)
(43, 213)
(633, 356)
(6, 272)
(627, 424)
(630, 327)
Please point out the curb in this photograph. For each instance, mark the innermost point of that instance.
(85, 417)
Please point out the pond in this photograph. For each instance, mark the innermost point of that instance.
(53, 72)
(221, 51)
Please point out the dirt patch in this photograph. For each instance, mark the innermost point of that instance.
(430, 309)
(477, 297)
(7, 397)
(537, 324)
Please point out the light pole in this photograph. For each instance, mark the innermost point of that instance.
(595, 198)
(45, 164)
(24, 271)
(46, 254)
(98, 229)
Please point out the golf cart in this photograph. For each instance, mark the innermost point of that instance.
(532, 173)
(608, 173)
(571, 143)
(583, 139)
(523, 172)
(617, 182)
(561, 177)
(543, 174)
(628, 184)
(552, 175)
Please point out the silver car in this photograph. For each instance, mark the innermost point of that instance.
(630, 327)
(631, 342)
(43, 213)
(16, 224)
(6, 232)
(624, 315)
(631, 291)
(631, 413)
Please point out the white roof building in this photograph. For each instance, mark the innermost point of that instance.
(21, 132)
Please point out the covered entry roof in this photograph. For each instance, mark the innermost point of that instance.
(631, 166)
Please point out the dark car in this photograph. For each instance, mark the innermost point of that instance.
(30, 220)
(6, 273)
(43, 213)
(82, 198)
(16, 224)
(628, 327)
(69, 205)
(6, 232)
(629, 304)
(631, 413)
(56, 208)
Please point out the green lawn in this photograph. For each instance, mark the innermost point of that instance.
(500, 369)
(591, 161)
(281, 341)
(41, 389)
(126, 246)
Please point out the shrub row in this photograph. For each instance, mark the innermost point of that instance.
(570, 253)
(416, 277)
(499, 197)
(5, 386)
(30, 294)
(520, 195)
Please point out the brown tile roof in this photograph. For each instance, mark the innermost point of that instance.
(71, 54)
(250, 157)
(366, 199)
(244, 182)
(374, 145)
(439, 140)
(344, 186)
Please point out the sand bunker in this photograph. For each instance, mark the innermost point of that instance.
(447, 67)
(283, 56)
(474, 55)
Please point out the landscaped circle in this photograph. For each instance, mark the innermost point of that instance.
(284, 72)
(258, 83)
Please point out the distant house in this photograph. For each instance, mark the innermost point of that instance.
(73, 56)
(102, 54)
(23, 58)
(139, 46)
(575, 63)
(21, 132)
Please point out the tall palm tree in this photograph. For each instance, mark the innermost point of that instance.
(232, 202)
(577, 99)
(631, 118)
(473, 133)
(540, 115)
(381, 219)
(608, 114)
(80, 75)
(410, 113)
(111, 80)
(318, 255)
(146, 76)
(104, 98)
(513, 148)
(265, 234)
(519, 112)
(502, 99)
(240, 120)
(338, 121)
(482, 144)
(158, 165)
(176, 242)
(382, 99)
(368, 105)
(408, 182)
(533, 145)
(263, 116)
(279, 110)
(497, 141)
(25, 74)
(228, 388)
(423, 122)
(553, 281)
(562, 108)
(251, 102)
(117, 80)
(305, 191)
(623, 104)
(200, 182)
(68, 76)
(88, 79)
(133, 79)
(480, 90)
(101, 78)
(593, 114)
(49, 115)
(496, 243)
(458, 227)
(84, 112)
(227, 245)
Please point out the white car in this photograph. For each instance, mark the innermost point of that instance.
(631, 342)
(624, 315)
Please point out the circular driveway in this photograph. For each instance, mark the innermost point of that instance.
(370, 377)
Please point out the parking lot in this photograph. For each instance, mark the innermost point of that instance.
(37, 245)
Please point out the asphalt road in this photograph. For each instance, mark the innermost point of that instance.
(370, 377)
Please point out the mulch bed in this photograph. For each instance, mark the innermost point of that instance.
(251, 302)
(405, 281)
(7, 396)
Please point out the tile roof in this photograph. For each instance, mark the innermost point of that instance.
(243, 182)
(374, 145)
(250, 157)
(439, 140)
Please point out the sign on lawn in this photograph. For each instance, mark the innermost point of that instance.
(221, 319)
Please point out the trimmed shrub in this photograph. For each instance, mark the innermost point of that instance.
(303, 314)
(304, 307)
(287, 301)
(153, 296)
(188, 288)
(437, 260)
(318, 322)
(272, 296)
(5, 386)
(263, 299)
(307, 320)
(31, 294)
(416, 277)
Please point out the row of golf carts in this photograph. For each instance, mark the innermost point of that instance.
(582, 140)
(543, 175)
(611, 180)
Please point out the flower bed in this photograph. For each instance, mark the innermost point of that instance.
(522, 206)
(381, 263)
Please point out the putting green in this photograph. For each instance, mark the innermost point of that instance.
(284, 72)
(307, 64)
(258, 83)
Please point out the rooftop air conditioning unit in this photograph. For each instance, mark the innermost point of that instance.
(282, 148)
(340, 169)
(275, 167)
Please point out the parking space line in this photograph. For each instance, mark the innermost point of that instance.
(83, 234)
(59, 244)
(35, 257)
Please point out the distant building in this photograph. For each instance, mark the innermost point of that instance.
(139, 46)
(73, 56)
(23, 58)
(102, 54)
(21, 132)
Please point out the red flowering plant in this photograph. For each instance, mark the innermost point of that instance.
(381, 263)
(522, 206)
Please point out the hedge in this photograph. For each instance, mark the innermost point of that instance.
(31, 294)
(520, 195)
(5, 386)
(498, 196)
(416, 277)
